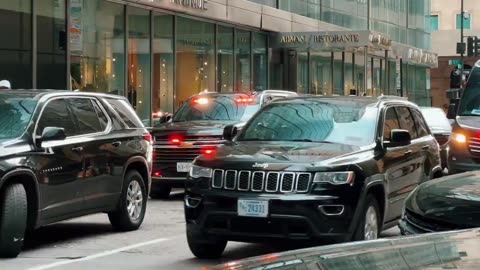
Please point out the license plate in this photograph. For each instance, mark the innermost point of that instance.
(183, 166)
(252, 208)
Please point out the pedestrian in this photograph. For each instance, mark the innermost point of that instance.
(5, 85)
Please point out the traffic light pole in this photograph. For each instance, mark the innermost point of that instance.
(463, 47)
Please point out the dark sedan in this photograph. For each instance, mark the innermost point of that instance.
(454, 250)
(441, 129)
(445, 204)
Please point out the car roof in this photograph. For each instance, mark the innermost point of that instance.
(362, 101)
(39, 93)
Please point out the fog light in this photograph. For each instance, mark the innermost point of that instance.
(332, 210)
(192, 202)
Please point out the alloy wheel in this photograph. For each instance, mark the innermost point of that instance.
(134, 200)
(371, 224)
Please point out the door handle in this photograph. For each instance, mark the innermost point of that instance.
(426, 147)
(77, 149)
(409, 152)
(116, 144)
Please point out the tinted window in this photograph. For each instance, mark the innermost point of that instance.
(15, 115)
(391, 123)
(406, 121)
(421, 126)
(340, 122)
(219, 108)
(126, 112)
(101, 116)
(470, 101)
(56, 114)
(85, 115)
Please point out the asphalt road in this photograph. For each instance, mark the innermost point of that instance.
(90, 243)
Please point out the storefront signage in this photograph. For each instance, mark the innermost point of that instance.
(335, 39)
(422, 57)
(195, 4)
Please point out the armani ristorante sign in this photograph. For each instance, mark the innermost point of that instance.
(195, 4)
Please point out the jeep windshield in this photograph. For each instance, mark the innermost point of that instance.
(15, 114)
(217, 108)
(329, 121)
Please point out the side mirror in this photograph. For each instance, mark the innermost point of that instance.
(229, 132)
(398, 137)
(168, 118)
(51, 134)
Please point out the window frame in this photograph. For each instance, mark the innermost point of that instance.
(384, 118)
(69, 109)
(107, 128)
(422, 119)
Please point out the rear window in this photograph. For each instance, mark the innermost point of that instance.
(436, 118)
(126, 112)
(217, 108)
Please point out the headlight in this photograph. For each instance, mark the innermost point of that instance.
(336, 178)
(459, 138)
(197, 172)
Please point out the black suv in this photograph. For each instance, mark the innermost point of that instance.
(66, 154)
(197, 128)
(311, 168)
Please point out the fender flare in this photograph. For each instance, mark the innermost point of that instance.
(145, 162)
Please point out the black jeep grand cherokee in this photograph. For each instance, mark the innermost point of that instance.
(311, 168)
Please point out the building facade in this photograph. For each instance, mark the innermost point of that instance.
(160, 52)
(445, 23)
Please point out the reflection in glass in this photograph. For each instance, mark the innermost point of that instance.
(139, 93)
(242, 59)
(225, 59)
(97, 46)
(260, 61)
(337, 74)
(195, 71)
(349, 87)
(163, 94)
(16, 43)
(302, 72)
(51, 44)
(332, 121)
(377, 74)
(360, 73)
(321, 73)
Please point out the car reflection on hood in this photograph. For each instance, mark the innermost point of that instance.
(447, 250)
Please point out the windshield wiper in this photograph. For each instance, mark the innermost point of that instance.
(308, 140)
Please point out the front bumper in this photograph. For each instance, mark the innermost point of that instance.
(291, 217)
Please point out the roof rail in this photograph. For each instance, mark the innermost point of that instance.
(389, 97)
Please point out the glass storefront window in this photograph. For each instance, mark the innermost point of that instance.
(163, 64)
(139, 93)
(321, 73)
(302, 72)
(225, 59)
(360, 74)
(377, 89)
(51, 44)
(16, 43)
(349, 88)
(97, 38)
(276, 68)
(337, 74)
(195, 70)
(260, 61)
(242, 60)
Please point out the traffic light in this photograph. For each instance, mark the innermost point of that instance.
(473, 46)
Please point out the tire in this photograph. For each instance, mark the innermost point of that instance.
(160, 191)
(204, 248)
(13, 220)
(122, 219)
(369, 226)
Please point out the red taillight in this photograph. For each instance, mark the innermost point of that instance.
(175, 140)
(157, 174)
(200, 101)
(208, 151)
(148, 137)
(244, 100)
